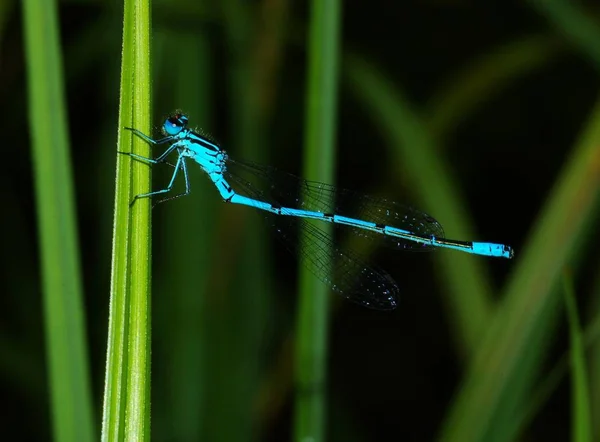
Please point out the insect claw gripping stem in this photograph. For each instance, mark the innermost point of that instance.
(395, 225)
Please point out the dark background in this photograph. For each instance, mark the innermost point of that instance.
(391, 376)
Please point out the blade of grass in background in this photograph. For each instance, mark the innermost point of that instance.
(469, 299)
(551, 380)
(416, 160)
(487, 77)
(581, 29)
(593, 330)
(66, 347)
(319, 164)
(503, 369)
(573, 22)
(127, 382)
(580, 400)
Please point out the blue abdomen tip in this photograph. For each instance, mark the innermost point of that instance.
(490, 249)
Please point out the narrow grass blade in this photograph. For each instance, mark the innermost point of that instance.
(487, 77)
(502, 370)
(592, 334)
(319, 160)
(113, 418)
(71, 406)
(580, 27)
(137, 424)
(581, 424)
(126, 413)
(552, 380)
(415, 153)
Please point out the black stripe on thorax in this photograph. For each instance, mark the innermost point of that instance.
(203, 141)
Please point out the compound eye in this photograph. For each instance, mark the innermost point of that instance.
(173, 125)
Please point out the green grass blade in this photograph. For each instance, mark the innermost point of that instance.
(71, 406)
(580, 27)
(493, 387)
(591, 337)
(113, 418)
(415, 153)
(486, 78)
(580, 400)
(137, 424)
(319, 164)
(552, 380)
(126, 414)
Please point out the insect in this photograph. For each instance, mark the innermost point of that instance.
(292, 201)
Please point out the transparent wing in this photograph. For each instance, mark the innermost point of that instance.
(292, 191)
(342, 270)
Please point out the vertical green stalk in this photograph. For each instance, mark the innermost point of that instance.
(319, 159)
(592, 334)
(126, 414)
(137, 423)
(64, 319)
(580, 398)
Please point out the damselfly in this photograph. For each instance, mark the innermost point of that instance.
(291, 201)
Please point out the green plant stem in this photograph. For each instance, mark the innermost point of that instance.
(126, 414)
(319, 159)
(70, 392)
(580, 402)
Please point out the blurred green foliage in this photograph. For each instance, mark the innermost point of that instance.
(66, 348)
(484, 115)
